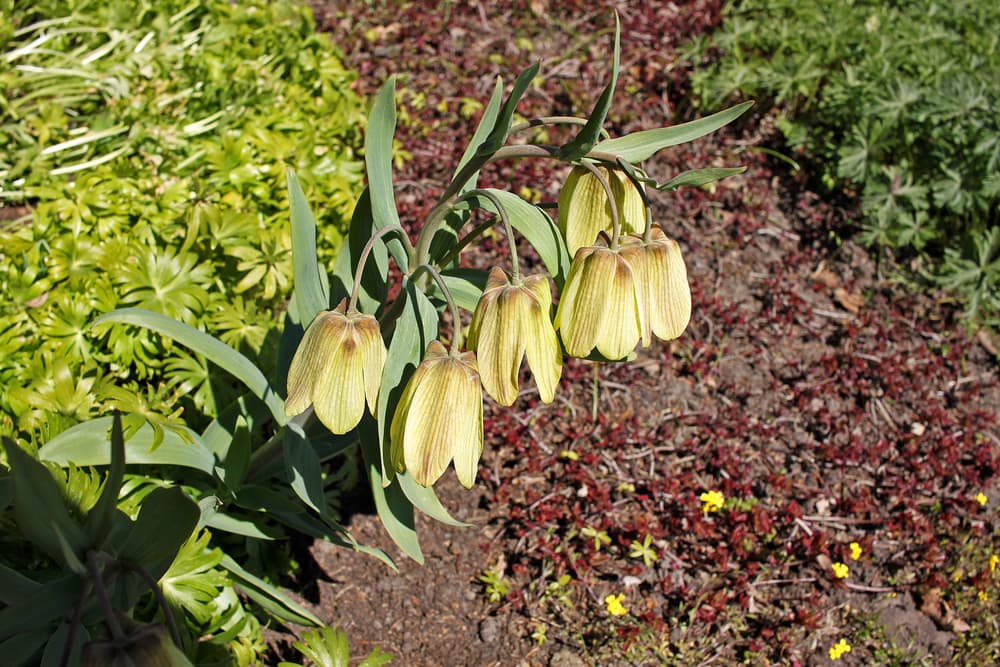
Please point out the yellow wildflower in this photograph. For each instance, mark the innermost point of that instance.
(981, 498)
(855, 550)
(984, 596)
(840, 570)
(615, 605)
(994, 561)
(713, 501)
(839, 649)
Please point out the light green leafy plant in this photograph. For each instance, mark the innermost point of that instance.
(897, 100)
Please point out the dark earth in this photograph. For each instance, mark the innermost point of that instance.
(827, 399)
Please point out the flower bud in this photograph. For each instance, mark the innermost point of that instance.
(584, 210)
(511, 322)
(662, 285)
(439, 418)
(599, 305)
(145, 646)
(337, 366)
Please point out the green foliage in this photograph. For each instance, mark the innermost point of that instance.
(148, 143)
(899, 100)
(327, 647)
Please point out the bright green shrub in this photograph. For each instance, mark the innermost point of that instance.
(900, 99)
(148, 142)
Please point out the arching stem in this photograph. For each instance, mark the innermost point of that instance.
(647, 233)
(511, 241)
(456, 337)
(616, 224)
(96, 580)
(366, 251)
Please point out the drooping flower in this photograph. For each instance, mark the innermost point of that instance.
(439, 418)
(662, 285)
(512, 322)
(584, 209)
(599, 306)
(337, 367)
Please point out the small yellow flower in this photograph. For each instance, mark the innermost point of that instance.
(981, 498)
(615, 605)
(984, 596)
(439, 418)
(713, 501)
(584, 210)
(840, 571)
(599, 306)
(856, 550)
(994, 561)
(512, 323)
(337, 368)
(838, 650)
(569, 455)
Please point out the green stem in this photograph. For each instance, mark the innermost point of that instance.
(464, 241)
(117, 633)
(511, 241)
(447, 200)
(595, 392)
(366, 251)
(161, 600)
(554, 120)
(456, 338)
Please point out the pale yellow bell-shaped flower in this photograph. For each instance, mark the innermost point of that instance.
(511, 322)
(662, 284)
(439, 418)
(337, 367)
(585, 212)
(599, 306)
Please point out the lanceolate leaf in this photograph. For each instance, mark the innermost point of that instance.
(100, 519)
(639, 146)
(40, 611)
(415, 328)
(394, 509)
(425, 500)
(378, 163)
(269, 597)
(583, 142)
(166, 520)
(304, 467)
(310, 286)
(501, 128)
(208, 346)
(699, 177)
(39, 509)
(15, 587)
(536, 226)
(374, 280)
(86, 444)
(483, 130)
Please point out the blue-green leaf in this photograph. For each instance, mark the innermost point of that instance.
(583, 142)
(304, 467)
(374, 278)
(639, 146)
(310, 285)
(466, 286)
(15, 587)
(167, 518)
(40, 511)
(395, 510)
(425, 500)
(87, 444)
(415, 328)
(41, 611)
(378, 164)
(501, 128)
(100, 519)
(483, 130)
(213, 349)
(699, 177)
(535, 225)
(267, 596)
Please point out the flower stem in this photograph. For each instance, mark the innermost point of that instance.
(456, 338)
(616, 224)
(96, 580)
(511, 241)
(366, 251)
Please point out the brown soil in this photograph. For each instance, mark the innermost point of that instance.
(806, 381)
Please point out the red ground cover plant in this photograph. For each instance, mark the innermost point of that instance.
(826, 405)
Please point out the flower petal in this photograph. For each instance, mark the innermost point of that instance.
(622, 326)
(339, 392)
(541, 343)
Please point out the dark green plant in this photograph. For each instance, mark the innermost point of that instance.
(898, 100)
